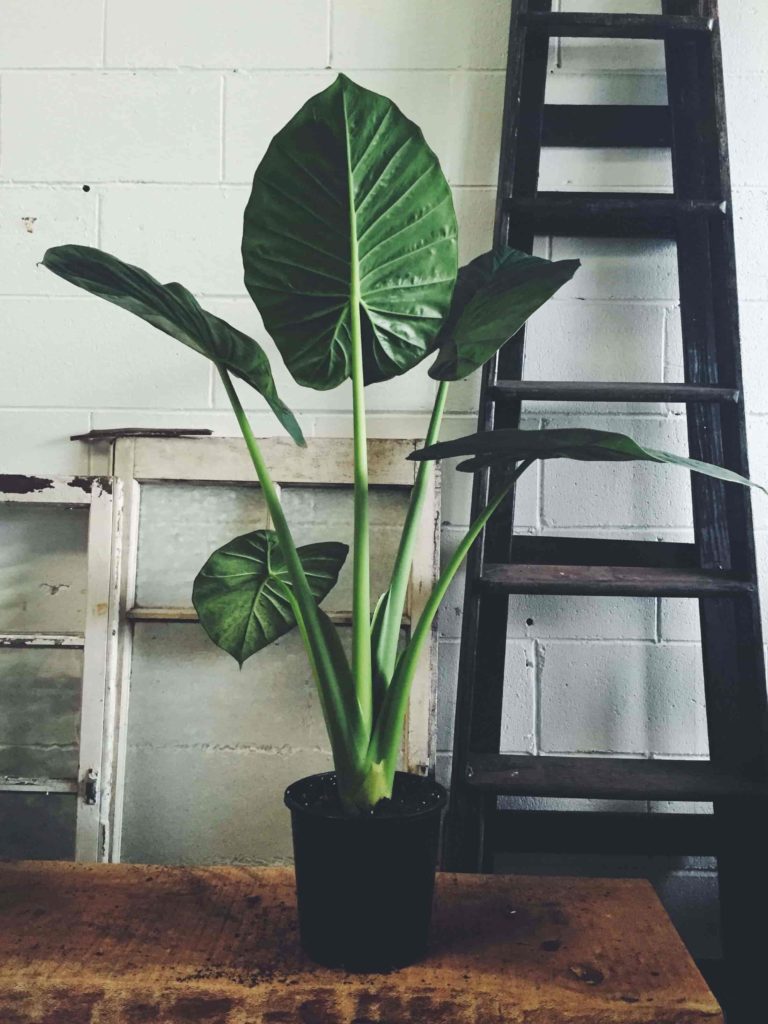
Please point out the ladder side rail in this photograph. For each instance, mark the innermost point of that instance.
(464, 822)
(732, 654)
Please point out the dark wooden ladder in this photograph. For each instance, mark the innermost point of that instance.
(718, 568)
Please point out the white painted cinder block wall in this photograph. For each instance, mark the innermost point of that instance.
(136, 126)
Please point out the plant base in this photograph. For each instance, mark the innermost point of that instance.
(364, 884)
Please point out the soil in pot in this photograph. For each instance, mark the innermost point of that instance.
(364, 884)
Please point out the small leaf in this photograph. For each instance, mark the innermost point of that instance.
(241, 593)
(506, 447)
(494, 296)
(347, 190)
(174, 310)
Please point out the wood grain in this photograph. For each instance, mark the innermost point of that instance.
(128, 944)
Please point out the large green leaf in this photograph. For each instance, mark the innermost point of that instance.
(174, 310)
(349, 189)
(495, 294)
(506, 447)
(243, 592)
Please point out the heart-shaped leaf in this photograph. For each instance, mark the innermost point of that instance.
(243, 592)
(174, 310)
(494, 296)
(350, 200)
(506, 447)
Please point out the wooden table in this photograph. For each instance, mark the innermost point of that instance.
(129, 944)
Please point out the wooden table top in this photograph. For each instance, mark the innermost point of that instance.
(130, 944)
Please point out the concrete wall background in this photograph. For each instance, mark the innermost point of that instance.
(136, 126)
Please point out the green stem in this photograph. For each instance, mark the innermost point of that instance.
(385, 744)
(388, 632)
(341, 718)
(361, 585)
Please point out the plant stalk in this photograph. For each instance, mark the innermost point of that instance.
(341, 718)
(361, 573)
(385, 743)
(388, 633)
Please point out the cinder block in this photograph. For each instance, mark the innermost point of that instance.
(630, 698)
(177, 233)
(290, 34)
(602, 494)
(256, 107)
(188, 806)
(612, 170)
(595, 86)
(517, 726)
(754, 330)
(34, 219)
(419, 33)
(590, 618)
(679, 619)
(42, 576)
(53, 34)
(744, 35)
(187, 693)
(476, 102)
(747, 104)
(750, 224)
(619, 268)
(612, 54)
(757, 444)
(97, 126)
(475, 208)
(39, 444)
(587, 341)
(87, 353)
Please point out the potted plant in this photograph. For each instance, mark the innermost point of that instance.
(350, 254)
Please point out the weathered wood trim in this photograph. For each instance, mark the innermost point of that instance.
(324, 462)
(20, 784)
(28, 641)
(73, 491)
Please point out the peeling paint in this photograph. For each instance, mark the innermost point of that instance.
(54, 588)
(15, 483)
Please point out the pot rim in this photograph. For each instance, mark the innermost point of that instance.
(439, 799)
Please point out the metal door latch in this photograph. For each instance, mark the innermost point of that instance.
(91, 786)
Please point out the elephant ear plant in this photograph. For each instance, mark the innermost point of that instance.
(350, 254)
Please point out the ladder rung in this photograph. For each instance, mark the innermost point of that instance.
(605, 832)
(614, 26)
(607, 778)
(608, 126)
(556, 550)
(607, 391)
(619, 581)
(606, 214)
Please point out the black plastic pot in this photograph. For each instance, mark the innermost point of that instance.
(364, 884)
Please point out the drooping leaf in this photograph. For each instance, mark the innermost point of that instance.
(349, 188)
(506, 447)
(494, 296)
(242, 592)
(174, 310)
